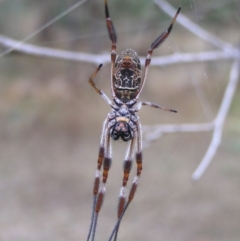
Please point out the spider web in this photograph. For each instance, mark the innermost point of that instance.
(204, 62)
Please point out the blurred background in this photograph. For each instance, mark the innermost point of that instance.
(51, 120)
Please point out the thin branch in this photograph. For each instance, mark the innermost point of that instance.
(154, 132)
(176, 58)
(55, 19)
(192, 27)
(219, 121)
(52, 53)
(179, 128)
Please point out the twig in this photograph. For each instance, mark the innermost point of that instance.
(55, 19)
(219, 121)
(52, 53)
(154, 132)
(192, 27)
(176, 58)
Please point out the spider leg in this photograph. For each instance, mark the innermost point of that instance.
(103, 159)
(122, 205)
(160, 39)
(127, 165)
(140, 104)
(101, 155)
(113, 37)
(104, 96)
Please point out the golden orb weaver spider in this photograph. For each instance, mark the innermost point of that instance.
(122, 122)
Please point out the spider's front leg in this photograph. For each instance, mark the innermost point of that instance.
(123, 205)
(127, 165)
(99, 187)
(97, 180)
(106, 166)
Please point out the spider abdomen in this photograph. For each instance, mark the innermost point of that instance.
(127, 76)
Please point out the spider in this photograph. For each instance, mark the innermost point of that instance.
(122, 122)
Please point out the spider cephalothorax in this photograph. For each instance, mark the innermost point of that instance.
(127, 76)
(122, 122)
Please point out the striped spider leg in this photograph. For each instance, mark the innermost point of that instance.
(122, 122)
